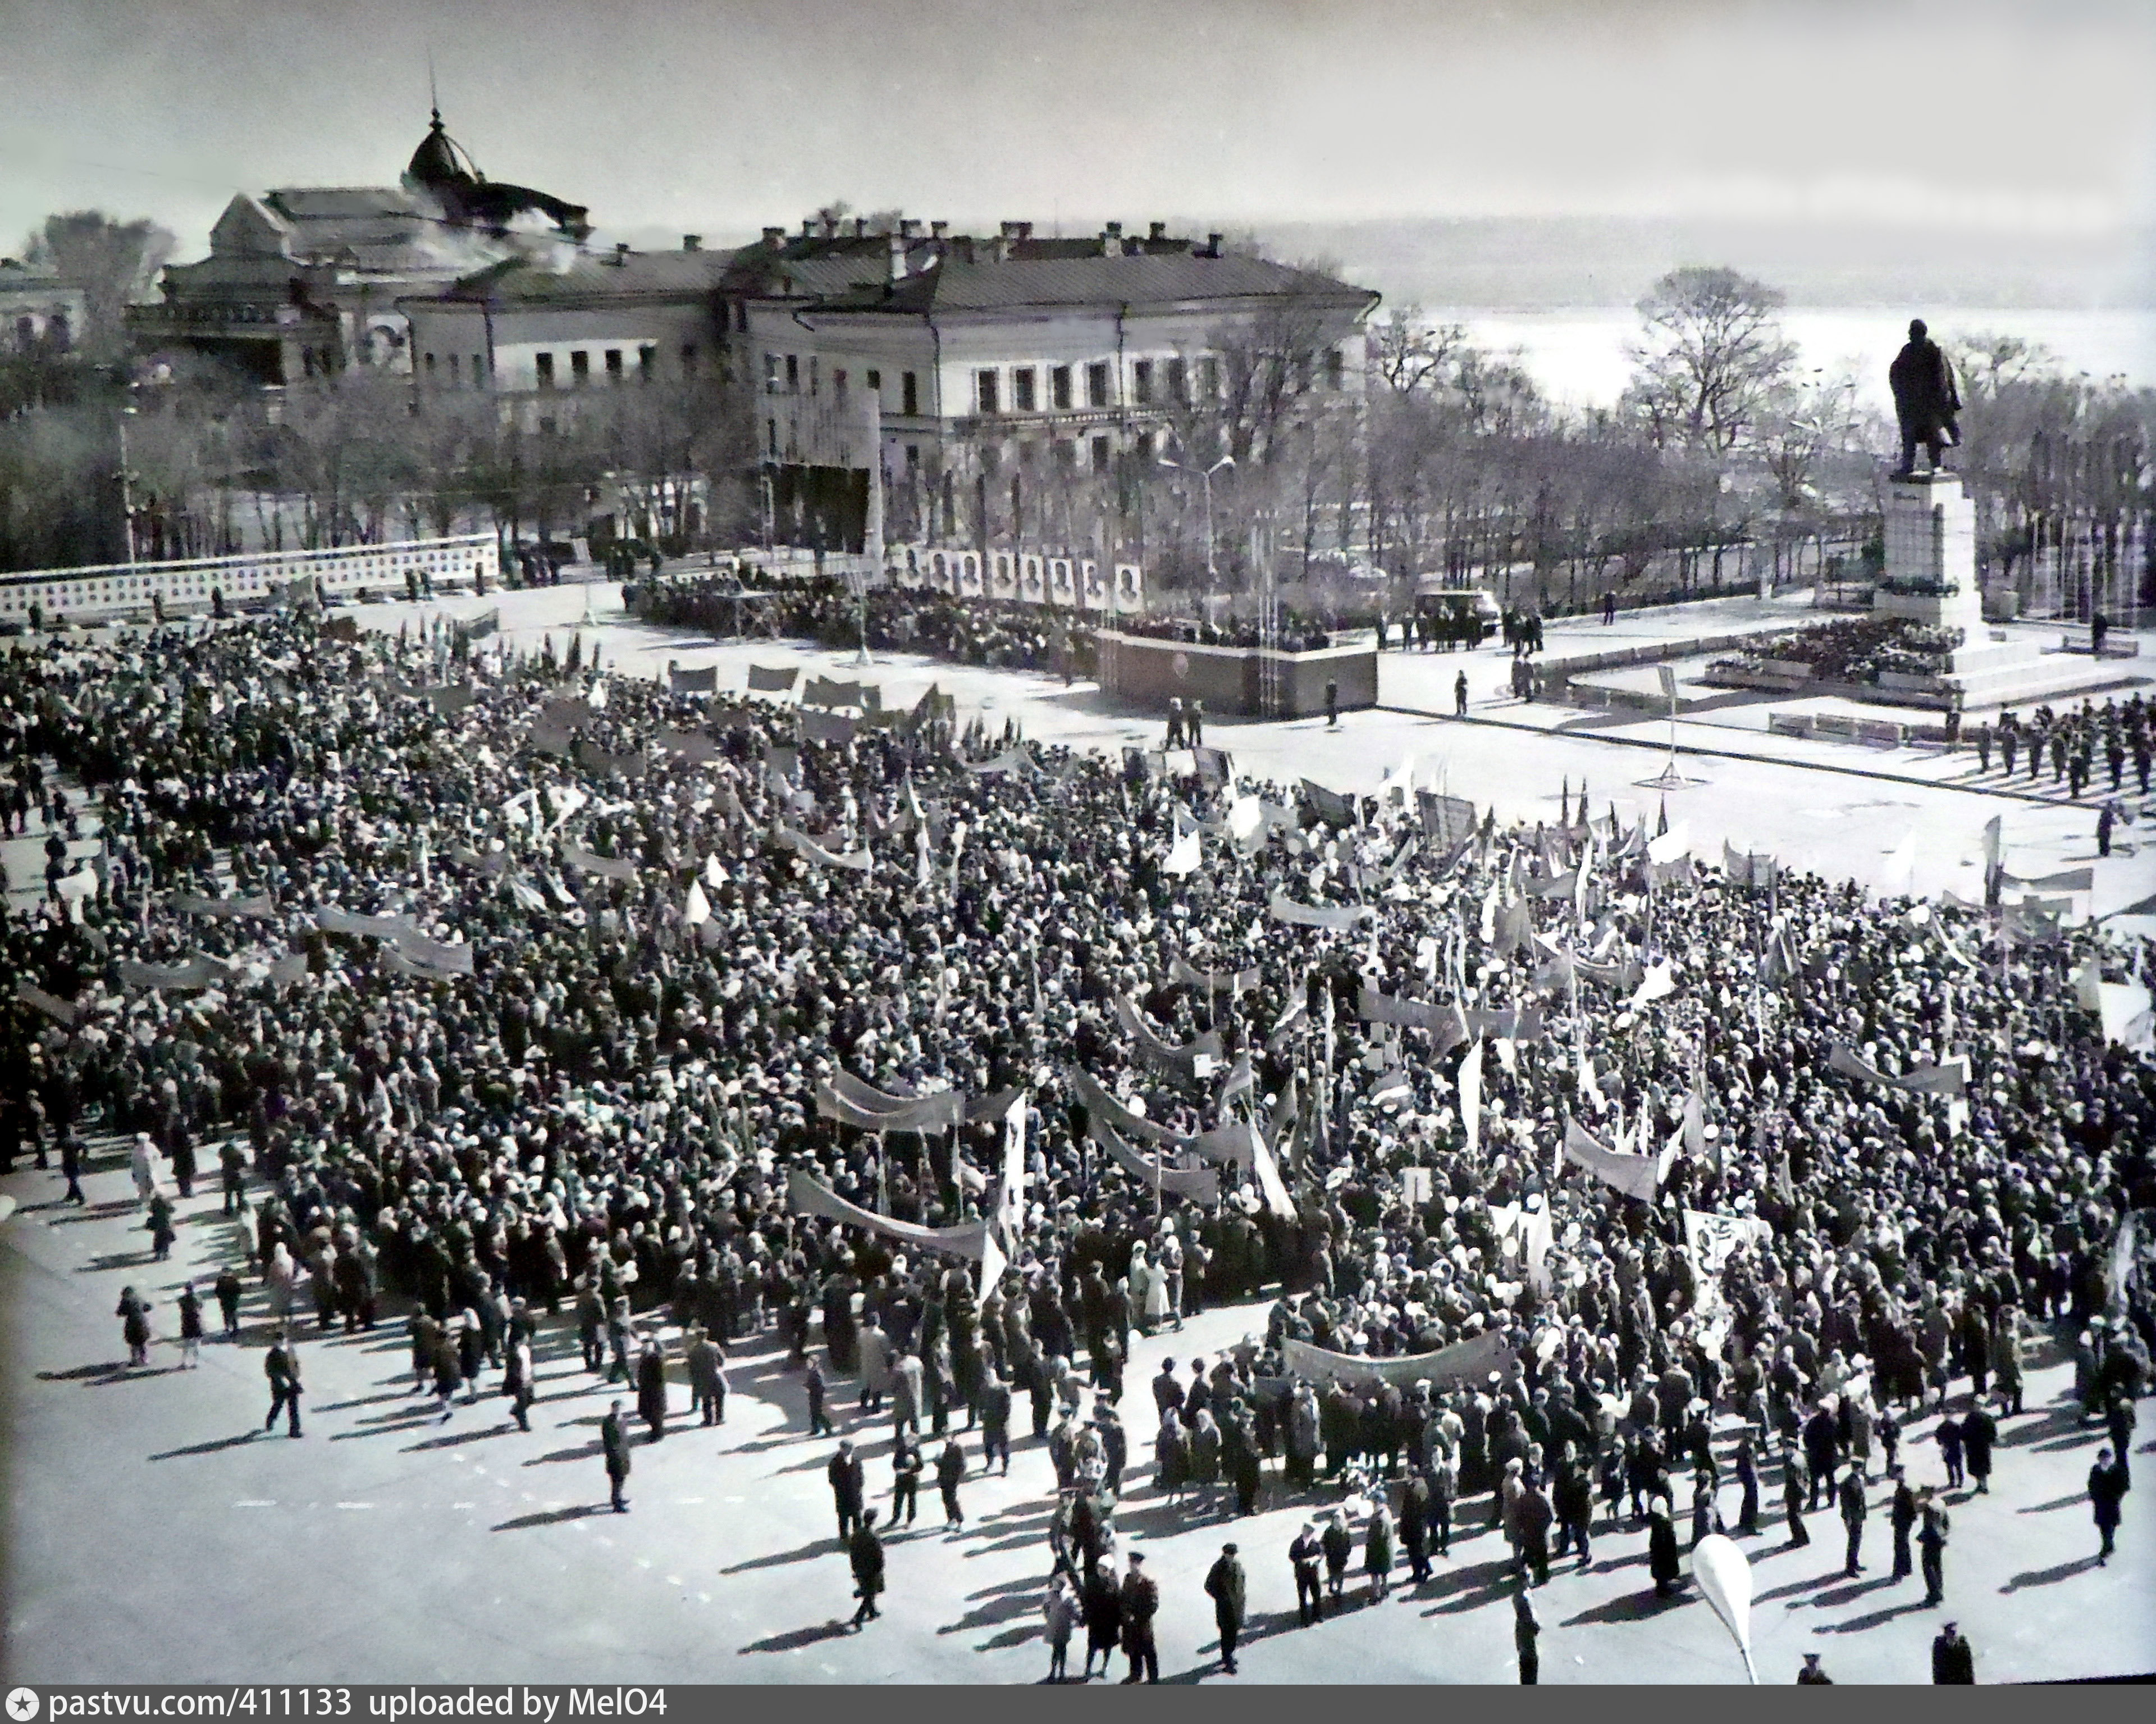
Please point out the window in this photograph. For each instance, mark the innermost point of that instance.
(478, 371)
(741, 318)
(1336, 369)
(1066, 455)
(839, 384)
(991, 459)
(1178, 381)
(793, 373)
(985, 393)
(547, 425)
(1100, 454)
(1142, 382)
(1059, 388)
(430, 365)
(909, 388)
(771, 373)
(687, 358)
(455, 381)
(875, 379)
(1145, 449)
(1021, 396)
(771, 426)
(613, 365)
(813, 372)
(580, 367)
(1209, 378)
(913, 457)
(1096, 384)
(647, 362)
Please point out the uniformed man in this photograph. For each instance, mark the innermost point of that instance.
(614, 1443)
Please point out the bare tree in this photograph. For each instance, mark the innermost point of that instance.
(113, 263)
(1710, 353)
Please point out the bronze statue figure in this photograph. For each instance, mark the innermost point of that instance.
(1925, 400)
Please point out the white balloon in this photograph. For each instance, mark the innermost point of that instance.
(1725, 1580)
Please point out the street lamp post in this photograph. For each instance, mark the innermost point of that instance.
(126, 487)
(1205, 478)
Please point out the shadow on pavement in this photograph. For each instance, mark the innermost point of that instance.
(1633, 1607)
(2050, 1577)
(795, 1638)
(552, 1517)
(239, 1440)
(779, 1559)
(1871, 1618)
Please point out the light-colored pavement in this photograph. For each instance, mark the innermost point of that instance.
(156, 1535)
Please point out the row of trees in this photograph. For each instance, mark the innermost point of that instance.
(1449, 460)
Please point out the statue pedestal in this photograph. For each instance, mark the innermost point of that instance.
(1931, 541)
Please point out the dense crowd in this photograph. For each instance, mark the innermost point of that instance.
(996, 635)
(602, 1117)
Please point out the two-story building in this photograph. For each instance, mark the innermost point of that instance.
(40, 313)
(304, 281)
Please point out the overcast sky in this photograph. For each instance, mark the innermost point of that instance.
(724, 114)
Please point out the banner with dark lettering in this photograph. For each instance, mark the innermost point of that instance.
(1464, 1362)
(807, 1194)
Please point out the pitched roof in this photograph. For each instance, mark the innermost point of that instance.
(591, 275)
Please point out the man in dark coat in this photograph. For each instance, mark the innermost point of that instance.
(1140, 1601)
(950, 1470)
(864, 1554)
(1855, 1511)
(651, 1389)
(1932, 1528)
(2108, 1485)
(614, 1443)
(1953, 1659)
(1527, 1633)
(281, 1366)
(1979, 1434)
(1904, 1513)
(1307, 1557)
(1101, 1600)
(1225, 1586)
(847, 1483)
(1925, 400)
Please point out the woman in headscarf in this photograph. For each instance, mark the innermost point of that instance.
(1205, 1456)
(1170, 1456)
(1377, 1549)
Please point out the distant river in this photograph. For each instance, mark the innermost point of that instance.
(1577, 355)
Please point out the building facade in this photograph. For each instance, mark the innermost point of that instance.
(304, 281)
(40, 313)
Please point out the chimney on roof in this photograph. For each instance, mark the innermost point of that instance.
(1026, 230)
(897, 273)
(860, 226)
(775, 239)
(1211, 246)
(908, 227)
(808, 227)
(1004, 243)
(1111, 239)
(1009, 231)
(620, 254)
(692, 242)
(937, 230)
(830, 227)
(1157, 231)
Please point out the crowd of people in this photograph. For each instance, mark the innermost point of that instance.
(518, 1040)
(2075, 744)
(733, 601)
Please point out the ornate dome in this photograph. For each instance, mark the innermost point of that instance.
(441, 160)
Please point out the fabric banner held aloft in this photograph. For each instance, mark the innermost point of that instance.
(1635, 1175)
(1447, 1025)
(703, 681)
(762, 680)
(1266, 1170)
(607, 867)
(928, 1114)
(1713, 1238)
(598, 761)
(1467, 1361)
(1015, 759)
(197, 972)
(1099, 1102)
(1215, 766)
(1329, 807)
(448, 701)
(1200, 1184)
(187, 905)
(58, 1010)
(1235, 982)
(859, 861)
(1334, 918)
(826, 728)
(1179, 1065)
(1949, 1078)
(807, 1194)
(330, 919)
(823, 692)
(436, 956)
(1445, 819)
(692, 745)
(1509, 1025)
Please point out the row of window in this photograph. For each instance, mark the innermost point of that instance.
(1099, 451)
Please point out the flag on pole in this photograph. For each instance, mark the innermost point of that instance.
(1470, 1097)
(698, 910)
(1183, 855)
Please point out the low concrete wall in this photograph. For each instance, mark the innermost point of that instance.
(1230, 680)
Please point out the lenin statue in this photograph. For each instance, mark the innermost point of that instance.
(1925, 400)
